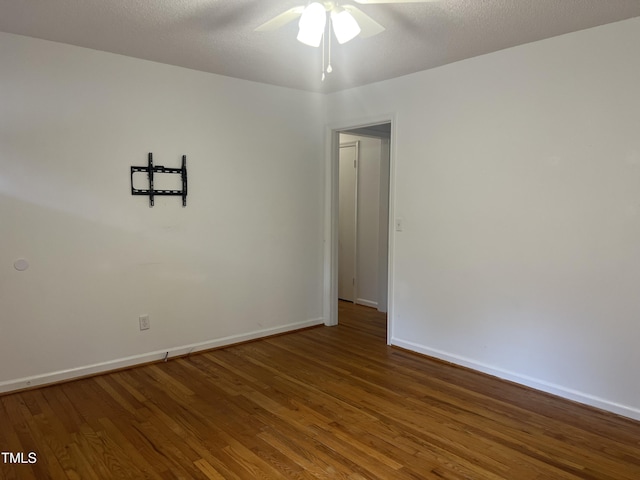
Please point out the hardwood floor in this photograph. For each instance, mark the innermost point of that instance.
(328, 402)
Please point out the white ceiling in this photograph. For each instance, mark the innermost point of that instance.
(218, 35)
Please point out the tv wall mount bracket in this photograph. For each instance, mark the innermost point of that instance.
(152, 170)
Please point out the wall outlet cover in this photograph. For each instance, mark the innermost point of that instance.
(145, 323)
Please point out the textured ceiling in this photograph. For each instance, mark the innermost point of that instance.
(218, 35)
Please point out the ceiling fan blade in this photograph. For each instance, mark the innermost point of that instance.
(368, 26)
(281, 20)
(370, 2)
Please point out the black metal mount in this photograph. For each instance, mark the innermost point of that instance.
(151, 170)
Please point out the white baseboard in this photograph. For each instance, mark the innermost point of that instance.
(366, 303)
(83, 371)
(515, 377)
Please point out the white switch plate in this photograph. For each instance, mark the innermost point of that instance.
(144, 322)
(399, 224)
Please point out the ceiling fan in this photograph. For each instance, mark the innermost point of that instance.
(347, 22)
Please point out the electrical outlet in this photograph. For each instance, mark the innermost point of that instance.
(144, 322)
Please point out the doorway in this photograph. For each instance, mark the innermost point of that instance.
(362, 164)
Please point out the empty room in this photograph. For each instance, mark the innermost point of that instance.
(188, 290)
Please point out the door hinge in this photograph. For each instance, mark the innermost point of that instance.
(354, 164)
(353, 281)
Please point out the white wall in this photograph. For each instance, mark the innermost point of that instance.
(243, 259)
(518, 178)
(368, 217)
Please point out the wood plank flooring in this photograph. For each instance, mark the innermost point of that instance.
(328, 402)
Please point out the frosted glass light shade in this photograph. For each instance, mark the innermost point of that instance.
(344, 25)
(312, 23)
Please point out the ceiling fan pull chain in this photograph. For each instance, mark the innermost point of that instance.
(323, 42)
(329, 67)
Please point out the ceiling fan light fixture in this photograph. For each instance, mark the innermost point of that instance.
(345, 26)
(312, 23)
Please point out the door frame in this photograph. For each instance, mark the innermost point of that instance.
(332, 153)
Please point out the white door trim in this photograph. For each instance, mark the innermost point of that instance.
(332, 146)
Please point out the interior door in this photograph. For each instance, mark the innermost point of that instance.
(347, 212)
